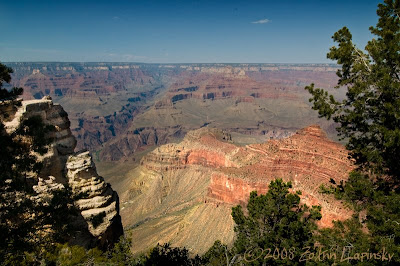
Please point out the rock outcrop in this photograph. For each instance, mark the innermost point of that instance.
(202, 177)
(100, 221)
(99, 204)
(63, 142)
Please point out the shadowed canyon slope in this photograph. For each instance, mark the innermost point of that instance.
(184, 192)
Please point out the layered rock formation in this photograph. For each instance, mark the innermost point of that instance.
(215, 85)
(179, 188)
(263, 103)
(108, 102)
(91, 133)
(99, 204)
(77, 80)
(97, 201)
(307, 159)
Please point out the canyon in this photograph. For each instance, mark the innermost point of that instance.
(118, 110)
(184, 143)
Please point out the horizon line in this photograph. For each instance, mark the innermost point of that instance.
(155, 63)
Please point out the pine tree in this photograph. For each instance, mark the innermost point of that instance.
(5, 76)
(369, 119)
(369, 116)
(276, 223)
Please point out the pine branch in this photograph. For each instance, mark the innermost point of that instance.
(362, 58)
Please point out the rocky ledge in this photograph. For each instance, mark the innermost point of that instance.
(99, 220)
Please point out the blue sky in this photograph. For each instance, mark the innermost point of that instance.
(288, 31)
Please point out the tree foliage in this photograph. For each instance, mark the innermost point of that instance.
(220, 254)
(5, 76)
(369, 119)
(169, 256)
(275, 220)
(369, 116)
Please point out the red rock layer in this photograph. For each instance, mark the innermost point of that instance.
(207, 151)
(308, 159)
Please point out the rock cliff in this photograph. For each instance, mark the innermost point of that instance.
(181, 187)
(100, 204)
(99, 218)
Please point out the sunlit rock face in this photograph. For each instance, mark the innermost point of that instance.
(203, 176)
(99, 200)
(308, 159)
(96, 200)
